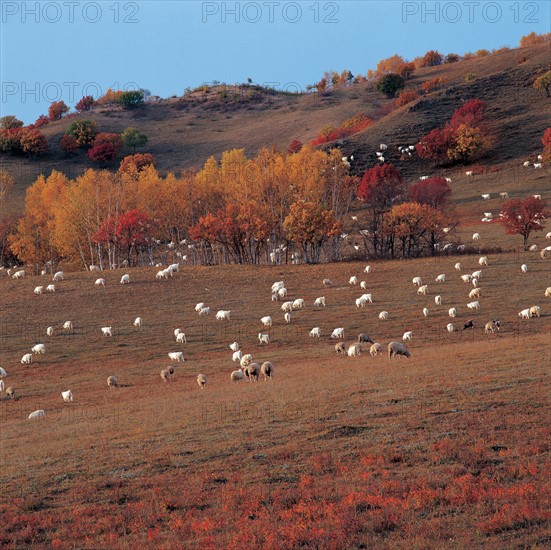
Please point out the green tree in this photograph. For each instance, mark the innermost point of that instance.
(543, 82)
(84, 131)
(8, 122)
(390, 84)
(132, 137)
(131, 100)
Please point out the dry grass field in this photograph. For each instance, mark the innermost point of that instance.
(447, 449)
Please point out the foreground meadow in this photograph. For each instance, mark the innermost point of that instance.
(449, 448)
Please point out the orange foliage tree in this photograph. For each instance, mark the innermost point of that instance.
(405, 97)
(522, 216)
(57, 109)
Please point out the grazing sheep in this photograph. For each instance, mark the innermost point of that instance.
(176, 356)
(452, 312)
(236, 356)
(485, 197)
(504, 195)
(458, 266)
(282, 292)
(125, 279)
(468, 324)
(340, 348)
(277, 285)
(466, 278)
(67, 396)
(202, 380)
(37, 414)
(524, 314)
(383, 315)
(407, 335)
(50, 288)
(315, 332)
(354, 350)
(165, 375)
(474, 305)
(524, 268)
(287, 317)
(246, 360)
(252, 372)
(107, 331)
(163, 274)
(425, 312)
(353, 280)
(367, 298)
(450, 327)
(474, 293)
(204, 311)
(417, 281)
(263, 338)
(438, 300)
(526, 163)
(367, 269)
(533, 248)
(223, 314)
(361, 302)
(39, 349)
(538, 166)
(138, 322)
(27, 359)
(38, 289)
(492, 326)
(338, 333)
(266, 321)
(10, 392)
(483, 260)
(199, 306)
(275, 297)
(547, 292)
(327, 282)
(112, 382)
(267, 369)
(397, 349)
(474, 282)
(234, 346)
(100, 282)
(476, 236)
(543, 253)
(18, 274)
(3, 373)
(287, 306)
(375, 349)
(181, 338)
(298, 303)
(441, 278)
(237, 376)
(50, 331)
(320, 301)
(424, 290)
(58, 277)
(535, 311)
(363, 285)
(94, 268)
(364, 338)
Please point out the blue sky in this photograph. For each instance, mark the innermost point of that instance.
(54, 50)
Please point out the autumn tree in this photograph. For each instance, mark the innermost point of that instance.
(102, 153)
(42, 120)
(132, 137)
(84, 131)
(132, 99)
(294, 147)
(406, 96)
(85, 104)
(10, 140)
(469, 143)
(134, 164)
(8, 226)
(390, 84)
(33, 142)
(406, 70)
(522, 216)
(6, 183)
(69, 144)
(452, 58)
(546, 141)
(310, 226)
(434, 192)
(57, 109)
(8, 122)
(543, 82)
(431, 59)
(534, 39)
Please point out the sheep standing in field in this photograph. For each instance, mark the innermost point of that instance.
(407, 335)
(524, 268)
(475, 293)
(354, 350)
(18, 274)
(277, 285)
(367, 298)
(10, 392)
(533, 248)
(252, 371)
(375, 349)
(327, 282)
(287, 307)
(181, 338)
(37, 414)
(450, 327)
(50, 331)
(504, 195)
(287, 317)
(340, 348)
(100, 282)
(425, 312)
(2, 385)
(458, 266)
(468, 324)
(176, 356)
(107, 331)
(263, 338)
(438, 300)
(234, 346)
(165, 375)
(125, 279)
(202, 380)
(338, 333)
(524, 314)
(223, 314)
(58, 277)
(535, 311)
(474, 305)
(298, 303)
(361, 302)
(3, 373)
(417, 281)
(68, 325)
(39, 349)
(424, 290)
(67, 396)
(452, 312)
(204, 311)
(27, 359)
(483, 260)
(397, 349)
(267, 369)
(367, 269)
(275, 297)
(547, 292)
(491, 327)
(315, 332)
(441, 278)
(138, 322)
(319, 301)
(50, 288)
(237, 376)
(353, 280)
(236, 356)
(476, 236)
(364, 339)
(246, 360)
(38, 289)
(282, 292)
(199, 306)
(383, 316)
(266, 321)
(112, 382)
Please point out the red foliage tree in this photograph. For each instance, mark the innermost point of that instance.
(105, 152)
(85, 104)
(69, 144)
(470, 113)
(33, 142)
(109, 137)
(521, 217)
(10, 140)
(434, 192)
(134, 164)
(431, 59)
(546, 141)
(405, 97)
(380, 186)
(42, 120)
(294, 147)
(435, 144)
(57, 109)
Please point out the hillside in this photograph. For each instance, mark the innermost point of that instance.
(184, 132)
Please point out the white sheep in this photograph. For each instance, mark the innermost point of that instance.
(163, 274)
(533, 248)
(282, 292)
(252, 371)
(267, 369)
(3, 373)
(367, 298)
(424, 290)
(234, 346)
(106, 331)
(438, 300)
(407, 335)
(353, 280)
(176, 356)
(354, 350)
(547, 292)
(475, 293)
(524, 314)
(383, 147)
(94, 268)
(320, 301)
(367, 269)
(548, 235)
(39, 349)
(199, 306)
(38, 289)
(458, 266)
(483, 260)
(504, 195)
(2, 385)
(50, 331)
(417, 281)
(27, 359)
(204, 311)
(474, 282)
(340, 348)
(474, 305)
(37, 414)
(425, 312)
(50, 288)
(441, 278)
(361, 302)
(538, 166)
(275, 297)
(524, 268)
(450, 327)
(375, 349)
(18, 274)
(287, 306)
(535, 311)
(469, 174)
(58, 277)
(125, 279)
(476, 236)
(223, 314)
(236, 356)
(526, 163)
(181, 338)
(298, 303)
(165, 374)
(383, 315)
(476, 274)
(237, 376)
(315, 332)
(486, 196)
(266, 321)
(202, 380)
(466, 278)
(277, 285)
(263, 338)
(100, 282)
(338, 333)
(491, 327)
(246, 360)
(327, 282)
(452, 312)
(363, 285)
(67, 396)
(287, 317)
(138, 322)
(397, 349)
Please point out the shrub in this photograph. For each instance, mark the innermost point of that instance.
(57, 109)
(470, 77)
(431, 85)
(132, 137)
(69, 144)
(534, 39)
(294, 147)
(85, 104)
(543, 82)
(431, 59)
(406, 96)
(390, 84)
(33, 142)
(84, 131)
(8, 122)
(132, 99)
(452, 58)
(104, 152)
